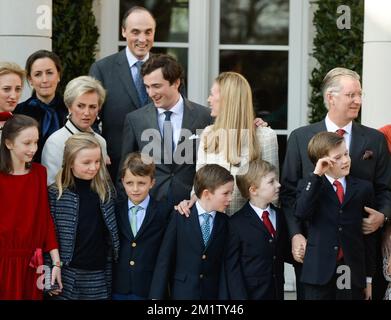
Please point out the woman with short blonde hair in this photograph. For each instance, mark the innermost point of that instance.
(84, 97)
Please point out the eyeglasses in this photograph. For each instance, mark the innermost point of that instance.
(352, 96)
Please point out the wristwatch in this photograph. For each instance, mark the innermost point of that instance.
(57, 264)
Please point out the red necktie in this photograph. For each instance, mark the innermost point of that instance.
(4, 116)
(340, 195)
(340, 132)
(268, 224)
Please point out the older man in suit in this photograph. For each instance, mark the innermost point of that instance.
(120, 75)
(167, 129)
(368, 151)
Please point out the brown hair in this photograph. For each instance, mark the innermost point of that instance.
(321, 144)
(40, 54)
(210, 177)
(138, 164)
(250, 175)
(11, 130)
(171, 68)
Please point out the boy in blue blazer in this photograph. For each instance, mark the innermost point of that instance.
(257, 241)
(142, 222)
(191, 255)
(339, 260)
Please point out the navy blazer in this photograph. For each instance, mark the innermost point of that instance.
(122, 97)
(254, 262)
(370, 161)
(137, 256)
(191, 270)
(331, 224)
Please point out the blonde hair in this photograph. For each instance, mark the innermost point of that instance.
(101, 183)
(236, 113)
(331, 82)
(11, 67)
(81, 85)
(251, 174)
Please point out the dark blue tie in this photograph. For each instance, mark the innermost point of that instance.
(142, 92)
(168, 133)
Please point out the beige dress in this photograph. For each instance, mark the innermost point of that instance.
(269, 151)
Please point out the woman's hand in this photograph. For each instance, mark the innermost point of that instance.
(184, 206)
(258, 122)
(56, 278)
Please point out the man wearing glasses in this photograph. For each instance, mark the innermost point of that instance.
(370, 160)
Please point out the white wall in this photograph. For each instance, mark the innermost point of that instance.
(25, 26)
(377, 63)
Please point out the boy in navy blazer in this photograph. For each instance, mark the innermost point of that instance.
(142, 222)
(257, 241)
(191, 255)
(339, 260)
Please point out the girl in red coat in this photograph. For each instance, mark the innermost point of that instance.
(26, 226)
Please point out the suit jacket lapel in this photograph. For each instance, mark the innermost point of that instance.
(125, 75)
(357, 143)
(329, 190)
(124, 219)
(188, 115)
(216, 230)
(255, 220)
(278, 219)
(149, 215)
(351, 188)
(318, 127)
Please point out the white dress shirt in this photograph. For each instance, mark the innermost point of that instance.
(342, 180)
(132, 63)
(272, 214)
(332, 127)
(176, 119)
(200, 211)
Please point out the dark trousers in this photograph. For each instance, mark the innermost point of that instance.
(330, 291)
(120, 296)
(299, 285)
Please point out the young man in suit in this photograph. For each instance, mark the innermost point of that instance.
(257, 242)
(369, 161)
(190, 260)
(142, 222)
(120, 76)
(166, 129)
(332, 204)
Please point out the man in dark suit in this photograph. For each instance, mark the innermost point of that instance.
(120, 76)
(173, 117)
(368, 151)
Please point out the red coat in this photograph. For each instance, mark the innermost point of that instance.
(25, 225)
